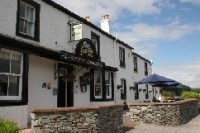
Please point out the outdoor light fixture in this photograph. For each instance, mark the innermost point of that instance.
(119, 86)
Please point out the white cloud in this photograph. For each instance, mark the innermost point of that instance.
(186, 73)
(195, 2)
(115, 8)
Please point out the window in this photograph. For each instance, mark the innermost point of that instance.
(10, 75)
(136, 90)
(96, 41)
(145, 69)
(122, 56)
(28, 19)
(108, 84)
(123, 89)
(135, 64)
(147, 92)
(98, 84)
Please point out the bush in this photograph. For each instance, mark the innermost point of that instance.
(7, 126)
(187, 94)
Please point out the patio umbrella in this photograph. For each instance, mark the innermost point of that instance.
(157, 80)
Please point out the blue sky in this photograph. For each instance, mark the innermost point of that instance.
(165, 31)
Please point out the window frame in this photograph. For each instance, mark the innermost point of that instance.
(101, 84)
(123, 89)
(36, 36)
(145, 68)
(110, 86)
(136, 91)
(147, 92)
(13, 74)
(122, 62)
(135, 64)
(97, 47)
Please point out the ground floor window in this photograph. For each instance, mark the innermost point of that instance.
(102, 88)
(123, 89)
(108, 83)
(11, 63)
(136, 91)
(147, 92)
(97, 84)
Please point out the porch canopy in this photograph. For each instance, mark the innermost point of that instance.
(157, 80)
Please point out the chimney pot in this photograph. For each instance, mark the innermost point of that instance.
(105, 24)
(87, 18)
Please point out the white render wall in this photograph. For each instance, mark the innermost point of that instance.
(41, 70)
(16, 114)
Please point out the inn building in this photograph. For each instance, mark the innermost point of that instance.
(50, 57)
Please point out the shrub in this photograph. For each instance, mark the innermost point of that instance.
(187, 94)
(7, 126)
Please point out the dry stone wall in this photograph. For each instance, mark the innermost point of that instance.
(102, 119)
(175, 113)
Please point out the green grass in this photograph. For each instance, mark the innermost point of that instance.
(7, 126)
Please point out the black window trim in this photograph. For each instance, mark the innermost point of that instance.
(98, 43)
(103, 99)
(135, 60)
(37, 20)
(125, 89)
(122, 64)
(145, 68)
(24, 92)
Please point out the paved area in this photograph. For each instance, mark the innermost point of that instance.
(191, 127)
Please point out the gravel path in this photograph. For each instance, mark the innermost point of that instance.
(191, 127)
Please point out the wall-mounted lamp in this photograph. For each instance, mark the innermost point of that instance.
(119, 86)
(132, 88)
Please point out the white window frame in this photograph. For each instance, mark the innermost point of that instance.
(109, 84)
(26, 20)
(98, 84)
(13, 74)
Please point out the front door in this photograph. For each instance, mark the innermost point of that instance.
(65, 97)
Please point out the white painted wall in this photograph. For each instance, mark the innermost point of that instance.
(15, 113)
(41, 70)
(81, 98)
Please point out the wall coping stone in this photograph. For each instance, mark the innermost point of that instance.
(163, 103)
(72, 109)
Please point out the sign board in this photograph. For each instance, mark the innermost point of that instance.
(76, 32)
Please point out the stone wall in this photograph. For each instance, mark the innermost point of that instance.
(172, 113)
(102, 119)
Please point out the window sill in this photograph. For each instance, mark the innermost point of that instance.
(12, 103)
(27, 37)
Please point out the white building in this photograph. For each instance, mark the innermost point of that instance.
(51, 57)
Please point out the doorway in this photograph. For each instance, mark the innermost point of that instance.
(65, 97)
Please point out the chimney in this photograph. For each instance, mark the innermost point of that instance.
(105, 24)
(87, 18)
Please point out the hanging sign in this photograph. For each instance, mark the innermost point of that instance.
(76, 32)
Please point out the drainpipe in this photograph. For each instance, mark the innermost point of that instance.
(115, 75)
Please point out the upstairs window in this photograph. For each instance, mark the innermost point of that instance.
(135, 64)
(10, 75)
(123, 89)
(96, 41)
(28, 19)
(122, 56)
(145, 69)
